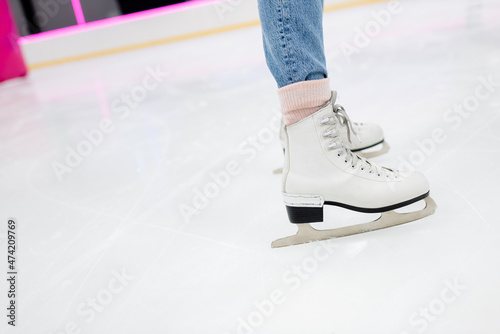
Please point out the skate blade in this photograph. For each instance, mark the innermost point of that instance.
(368, 155)
(306, 233)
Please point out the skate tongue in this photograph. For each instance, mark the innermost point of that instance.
(333, 98)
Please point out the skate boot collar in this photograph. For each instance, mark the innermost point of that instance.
(330, 109)
(327, 108)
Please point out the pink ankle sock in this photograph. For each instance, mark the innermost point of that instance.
(303, 99)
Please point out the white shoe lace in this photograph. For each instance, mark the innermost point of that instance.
(340, 116)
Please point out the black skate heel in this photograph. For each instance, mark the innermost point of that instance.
(303, 215)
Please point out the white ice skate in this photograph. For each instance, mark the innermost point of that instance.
(369, 136)
(320, 170)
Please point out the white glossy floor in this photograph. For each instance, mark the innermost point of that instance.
(105, 248)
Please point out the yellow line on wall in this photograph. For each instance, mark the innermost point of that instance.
(183, 37)
(350, 4)
(143, 45)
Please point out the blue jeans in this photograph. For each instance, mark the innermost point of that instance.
(293, 39)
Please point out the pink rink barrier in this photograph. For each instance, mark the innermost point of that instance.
(11, 58)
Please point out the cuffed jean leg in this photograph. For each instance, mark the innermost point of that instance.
(293, 39)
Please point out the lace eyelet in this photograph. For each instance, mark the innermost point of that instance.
(330, 146)
(345, 161)
(326, 133)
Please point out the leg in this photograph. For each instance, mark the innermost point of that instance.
(292, 33)
(293, 40)
(293, 44)
(320, 168)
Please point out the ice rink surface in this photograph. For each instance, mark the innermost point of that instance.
(142, 185)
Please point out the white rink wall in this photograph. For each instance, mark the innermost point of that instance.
(157, 26)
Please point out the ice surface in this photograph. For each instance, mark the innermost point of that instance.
(109, 231)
